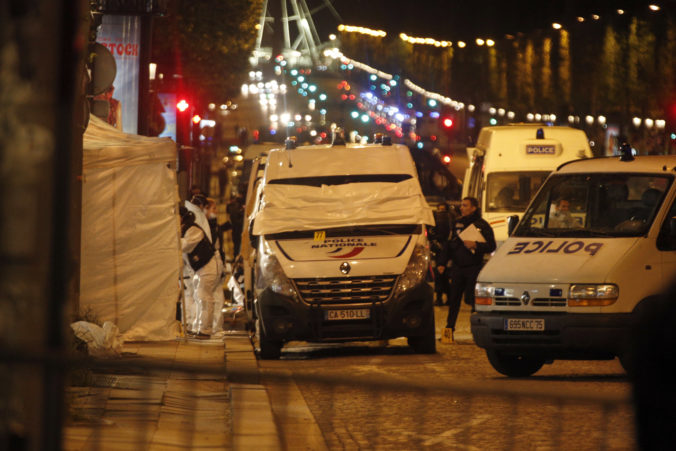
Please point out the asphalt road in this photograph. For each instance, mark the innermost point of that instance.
(357, 416)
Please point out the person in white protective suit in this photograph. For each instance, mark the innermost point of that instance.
(196, 206)
(199, 252)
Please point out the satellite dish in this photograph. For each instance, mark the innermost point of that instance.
(103, 69)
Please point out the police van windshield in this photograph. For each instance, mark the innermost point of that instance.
(342, 179)
(511, 191)
(580, 205)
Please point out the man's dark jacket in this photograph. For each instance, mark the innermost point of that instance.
(456, 251)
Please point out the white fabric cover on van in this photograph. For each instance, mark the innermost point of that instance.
(130, 246)
(286, 208)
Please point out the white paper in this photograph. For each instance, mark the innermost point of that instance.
(472, 233)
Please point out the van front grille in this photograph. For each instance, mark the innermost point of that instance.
(507, 301)
(537, 302)
(549, 302)
(345, 290)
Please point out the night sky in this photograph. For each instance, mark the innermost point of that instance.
(465, 19)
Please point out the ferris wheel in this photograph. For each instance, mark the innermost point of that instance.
(286, 28)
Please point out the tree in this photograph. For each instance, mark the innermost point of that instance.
(209, 43)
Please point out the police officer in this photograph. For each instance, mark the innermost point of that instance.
(466, 255)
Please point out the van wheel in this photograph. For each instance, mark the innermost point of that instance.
(427, 343)
(268, 349)
(513, 365)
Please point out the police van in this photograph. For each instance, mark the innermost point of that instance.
(339, 250)
(509, 163)
(574, 290)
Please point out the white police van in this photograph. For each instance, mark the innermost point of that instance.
(339, 248)
(509, 164)
(575, 291)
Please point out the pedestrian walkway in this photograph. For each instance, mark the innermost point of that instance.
(175, 409)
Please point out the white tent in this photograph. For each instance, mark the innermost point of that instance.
(131, 255)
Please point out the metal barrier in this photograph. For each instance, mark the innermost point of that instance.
(162, 404)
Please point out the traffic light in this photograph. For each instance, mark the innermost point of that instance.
(183, 122)
(196, 130)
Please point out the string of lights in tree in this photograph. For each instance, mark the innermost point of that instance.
(573, 119)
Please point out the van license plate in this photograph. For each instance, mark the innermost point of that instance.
(524, 324)
(337, 315)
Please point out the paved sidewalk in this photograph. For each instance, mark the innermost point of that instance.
(167, 410)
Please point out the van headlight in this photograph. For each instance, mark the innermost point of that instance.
(592, 295)
(269, 272)
(415, 271)
(483, 294)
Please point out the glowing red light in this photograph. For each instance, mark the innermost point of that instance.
(446, 159)
(448, 122)
(182, 105)
(196, 119)
(344, 97)
(352, 97)
(323, 135)
(433, 137)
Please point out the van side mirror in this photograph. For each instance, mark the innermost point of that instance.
(512, 221)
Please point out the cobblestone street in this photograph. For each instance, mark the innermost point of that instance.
(355, 418)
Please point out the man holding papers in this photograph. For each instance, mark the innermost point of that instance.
(471, 239)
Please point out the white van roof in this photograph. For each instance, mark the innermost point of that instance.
(516, 147)
(648, 164)
(352, 159)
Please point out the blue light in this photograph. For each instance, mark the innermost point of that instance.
(343, 67)
(373, 77)
(432, 103)
(304, 85)
(373, 88)
(493, 121)
(313, 88)
(294, 83)
(364, 117)
(294, 72)
(409, 105)
(354, 114)
(350, 66)
(419, 145)
(301, 78)
(322, 97)
(273, 131)
(418, 114)
(322, 111)
(672, 136)
(393, 83)
(434, 115)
